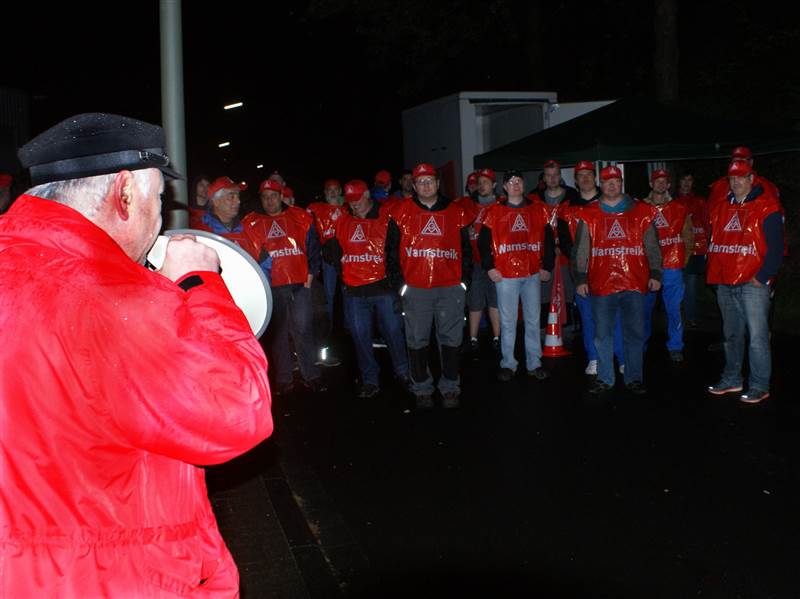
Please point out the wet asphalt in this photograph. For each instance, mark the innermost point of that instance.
(530, 489)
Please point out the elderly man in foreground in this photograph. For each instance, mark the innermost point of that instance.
(119, 381)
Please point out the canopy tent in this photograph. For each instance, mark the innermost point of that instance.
(637, 130)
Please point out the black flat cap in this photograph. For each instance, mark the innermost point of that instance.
(92, 144)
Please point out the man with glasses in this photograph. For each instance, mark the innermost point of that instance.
(429, 258)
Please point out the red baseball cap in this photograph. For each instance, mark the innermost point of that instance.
(424, 170)
(224, 183)
(488, 173)
(739, 168)
(270, 184)
(551, 164)
(610, 172)
(472, 177)
(584, 165)
(658, 174)
(742, 152)
(383, 177)
(287, 192)
(354, 190)
(5, 180)
(332, 183)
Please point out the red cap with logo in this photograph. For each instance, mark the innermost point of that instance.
(383, 177)
(584, 165)
(552, 164)
(658, 174)
(423, 170)
(739, 168)
(742, 152)
(610, 172)
(271, 185)
(332, 183)
(224, 183)
(354, 190)
(488, 173)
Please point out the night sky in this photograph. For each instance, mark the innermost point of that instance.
(324, 82)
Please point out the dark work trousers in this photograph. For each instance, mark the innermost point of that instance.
(291, 314)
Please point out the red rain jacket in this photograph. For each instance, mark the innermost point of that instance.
(738, 245)
(363, 242)
(618, 261)
(116, 382)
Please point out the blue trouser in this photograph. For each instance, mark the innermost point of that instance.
(746, 308)
(384, 309)
(588, 328)
(672, 288)
(291, 314)
(629, 306)
(509, 294)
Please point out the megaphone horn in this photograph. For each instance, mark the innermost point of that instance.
(243, 277)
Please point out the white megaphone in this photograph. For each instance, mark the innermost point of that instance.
(243, 276)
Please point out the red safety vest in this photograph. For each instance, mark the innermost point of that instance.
(698, 208)
(430, 243)
(618, 260)
(571, 215)
(669, 222)
(363, 241)
(325, 217)
(475, 229)
(517, 238)
(737, 247)
(237, 237)
(552, 213)
(283, 237)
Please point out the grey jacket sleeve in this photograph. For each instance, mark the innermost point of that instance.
(579, 257)
(653, 251)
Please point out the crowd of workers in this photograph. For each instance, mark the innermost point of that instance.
(125, 380)
(407, 261)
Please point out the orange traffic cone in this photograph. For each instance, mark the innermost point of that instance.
(553, 345)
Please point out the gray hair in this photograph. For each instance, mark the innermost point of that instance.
(221, 193)
(86, 195)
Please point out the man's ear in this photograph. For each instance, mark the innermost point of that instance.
(122, 192)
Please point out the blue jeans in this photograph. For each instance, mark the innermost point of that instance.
(746, 308)
(291, 315)
(672, 289)
(629, 306)
(587, 327)
(363, 311)
(509, 293)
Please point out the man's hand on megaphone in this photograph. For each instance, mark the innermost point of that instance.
(185, 254)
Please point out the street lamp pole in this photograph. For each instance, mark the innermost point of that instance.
(172, 108)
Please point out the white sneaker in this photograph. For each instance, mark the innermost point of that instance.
(591, 367)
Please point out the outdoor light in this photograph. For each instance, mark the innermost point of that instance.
(260, 166)
(224, 144)
(234, 105)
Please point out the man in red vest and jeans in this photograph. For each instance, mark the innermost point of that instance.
(358, 251)
(617, 260)
(744, 254)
